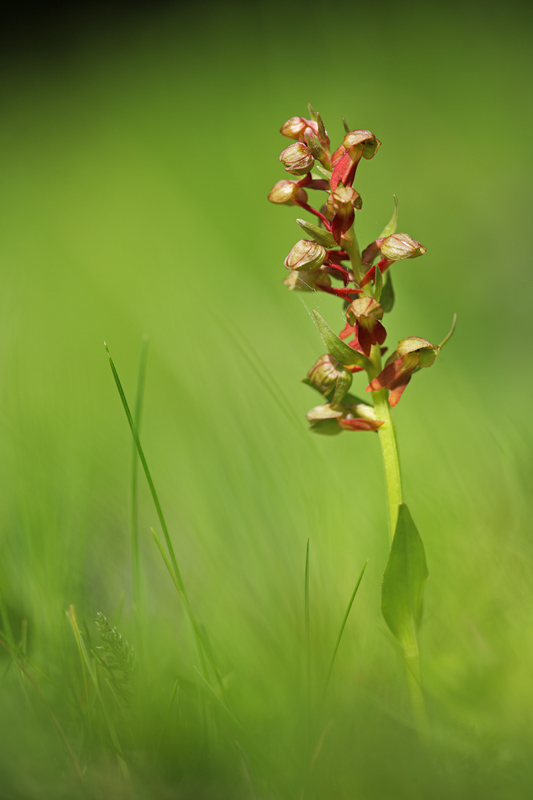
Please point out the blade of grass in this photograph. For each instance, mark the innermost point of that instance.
(134, 512)
(148, 475)
(307, 629)
(175, 694)
(196, 631)
(172, 565)
(341, 631)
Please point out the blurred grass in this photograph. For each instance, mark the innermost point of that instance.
(135, 167)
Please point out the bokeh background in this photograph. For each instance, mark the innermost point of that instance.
(137, 145)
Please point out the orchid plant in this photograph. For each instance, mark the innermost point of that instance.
(329, 260)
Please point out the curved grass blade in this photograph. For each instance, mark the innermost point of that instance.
(171, 561)
(134, 515)
(341, 631)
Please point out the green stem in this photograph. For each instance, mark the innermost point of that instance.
(391, 461)
(350, 244)
(387, 436)
(393, 478)
(414, 682)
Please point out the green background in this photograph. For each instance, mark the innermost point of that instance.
(137, 150)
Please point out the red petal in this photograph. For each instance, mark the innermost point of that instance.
(394, 396)
(342, 171)
(387, 378)
(348, 330)
(358, 424)
(379, 333)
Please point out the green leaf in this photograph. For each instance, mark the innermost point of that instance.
(390, 228)
(321, 129)
(404, 582)
(320, 236)
(337, 348)
(387, 293)
(378, 284)
(327, 173)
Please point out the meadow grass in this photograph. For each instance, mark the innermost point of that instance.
(135, 173)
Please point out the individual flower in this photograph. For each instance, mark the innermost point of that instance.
(356, 145)
(341, 207)
(364, 314)
(330, 419)
(411, 355)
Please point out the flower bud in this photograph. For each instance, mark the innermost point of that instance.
(287, 193)
(297, 159)
(306, 254)
(297, 127)
(305, 280)
(328, 375)
(400, 246)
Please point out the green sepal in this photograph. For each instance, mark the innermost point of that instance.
(352, 400)
(327, 173)
(344, 381)
(387, 293)
(312, 112)
(322, 135)
(326, 427)
(337, 348)
(404, 582)
(390, 227)
(346, 127)
(321, 236)
(378, 284)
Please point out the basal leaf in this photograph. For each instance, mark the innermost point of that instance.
(404, 582)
